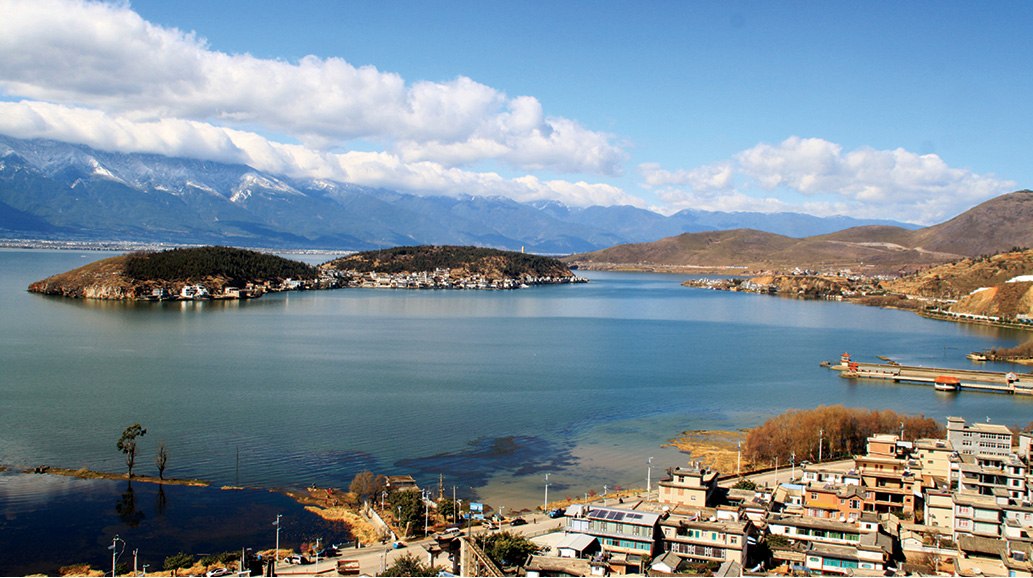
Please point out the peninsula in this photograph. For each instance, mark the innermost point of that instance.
(229, 273)
(193, 273)
(447, 267)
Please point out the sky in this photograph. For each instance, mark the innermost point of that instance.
(912, 111)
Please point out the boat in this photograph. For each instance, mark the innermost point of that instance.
(946, 383)
(976, 356)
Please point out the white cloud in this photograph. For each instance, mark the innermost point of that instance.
(174, 137)
(865, 183)
(105, 56)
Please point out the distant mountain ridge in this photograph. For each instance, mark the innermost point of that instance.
(56, 190)
(995, 226)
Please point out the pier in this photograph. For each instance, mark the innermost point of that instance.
(942, 379)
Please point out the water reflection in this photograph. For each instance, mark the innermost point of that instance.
(126, 507)
(161, 502)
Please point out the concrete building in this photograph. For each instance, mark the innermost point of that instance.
(691, 486)
(978, 438)
(707, 540)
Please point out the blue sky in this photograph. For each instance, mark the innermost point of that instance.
(913, 111)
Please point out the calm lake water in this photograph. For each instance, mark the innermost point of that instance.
(490, 390)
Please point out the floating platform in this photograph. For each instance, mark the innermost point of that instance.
(942, 379)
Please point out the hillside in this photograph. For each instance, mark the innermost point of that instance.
(997, 225)
(462, 261)
(986, 286)
(756, 250)
(137, 275)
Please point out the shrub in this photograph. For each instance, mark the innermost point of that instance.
(181, 560)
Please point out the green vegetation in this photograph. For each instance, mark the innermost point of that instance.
(408, 507)
(506, 548)
(236, 265)
(222, 559)
(447, 509)
(409, 565)
(745, 484)
(842, 431)
(127, 444)
(177, 561)
(472, 259)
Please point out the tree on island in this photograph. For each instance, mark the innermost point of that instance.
(127, 444)
(161, 457)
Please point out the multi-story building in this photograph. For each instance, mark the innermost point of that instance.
(891, 479)
(992, 475)
(626, 536)
(978, 438)
(834, 502)
(977, 515)
(707, 540)
(815, 473)
(691, 486)
(938, 510)
(934, 456)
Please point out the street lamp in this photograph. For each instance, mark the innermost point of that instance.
(276, 556)
(649, 476)
(114, 551)
(545, 505)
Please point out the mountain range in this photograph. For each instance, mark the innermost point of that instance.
(61, 191)
(997, 225)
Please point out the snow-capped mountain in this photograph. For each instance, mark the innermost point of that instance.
(51, 189)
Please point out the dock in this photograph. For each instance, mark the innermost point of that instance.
(942, 379)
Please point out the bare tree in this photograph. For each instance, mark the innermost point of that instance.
(161, 457)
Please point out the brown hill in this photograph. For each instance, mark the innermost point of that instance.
(1000, 224)
(997, 225)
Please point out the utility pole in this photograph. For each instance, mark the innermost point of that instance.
(738, 456)
(605, 487)
(545, 505)
(821, 434)
(792, 476)
(649, 476)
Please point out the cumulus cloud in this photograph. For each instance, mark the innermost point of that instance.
(187, 138)
(869, 183)
(105, 56)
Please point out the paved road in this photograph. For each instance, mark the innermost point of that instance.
(785, 474)
(373, 559)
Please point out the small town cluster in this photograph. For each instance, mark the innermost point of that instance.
(337, 279)
(439, 279)
(955, 506)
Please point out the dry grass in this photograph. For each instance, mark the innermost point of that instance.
(357, 525)
(92, 474)
(715, 448)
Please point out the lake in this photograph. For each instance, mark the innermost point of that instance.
(484, 391)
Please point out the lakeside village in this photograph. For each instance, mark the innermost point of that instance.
(956, 506)
(338, 279)
(864, 289)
